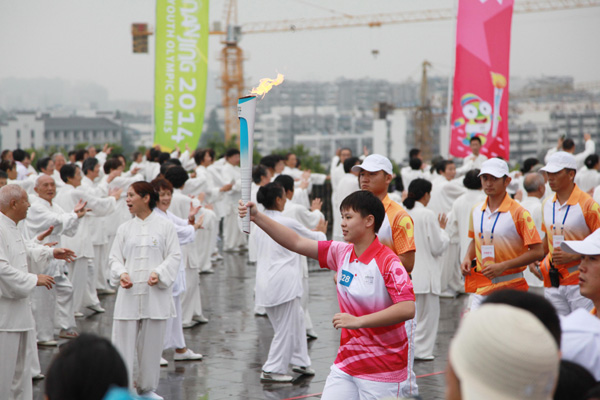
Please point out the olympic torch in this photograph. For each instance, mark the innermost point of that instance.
(246, 114)
(499, 82)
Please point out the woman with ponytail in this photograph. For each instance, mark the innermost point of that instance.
(588, 177)
(279, 291)
(144, 262)
(431, 240)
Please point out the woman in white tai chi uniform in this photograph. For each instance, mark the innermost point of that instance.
(144, 260)
(186, 231)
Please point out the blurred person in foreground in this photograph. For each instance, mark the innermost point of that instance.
(502, 352)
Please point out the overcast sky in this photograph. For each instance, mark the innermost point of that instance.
(90, 40)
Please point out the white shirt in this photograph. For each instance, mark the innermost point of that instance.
(41, 216)
(408, 175)
(140, 248)
(458, 219)
(444, 193)
(587, 179)
(278, 278)
(471, 162)
(336, 172)
(580, 342)
(590, 148)
(347, 185)
(431, 241)
(534, 206)
(16, 283)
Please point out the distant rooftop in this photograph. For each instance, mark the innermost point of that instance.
(78, 123)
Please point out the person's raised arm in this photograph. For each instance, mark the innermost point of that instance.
(283, 235)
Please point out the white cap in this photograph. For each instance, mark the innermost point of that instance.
(502, 352)
(495, 167)
(590, 246)
(374, 163)
(559, 161)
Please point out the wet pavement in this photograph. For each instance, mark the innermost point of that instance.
(235, 342)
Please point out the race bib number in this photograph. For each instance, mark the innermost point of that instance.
(346, 278)
(488, 256)
(557, 240)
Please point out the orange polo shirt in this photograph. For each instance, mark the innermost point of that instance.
(397, 230)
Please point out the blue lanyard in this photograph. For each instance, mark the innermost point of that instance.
(553, 217)
(493, 226)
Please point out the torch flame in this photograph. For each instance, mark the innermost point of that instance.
(498, 80)
(266, 84)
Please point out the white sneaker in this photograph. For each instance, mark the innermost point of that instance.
(303, 370)
(97, 308)
(187, 325)
(311, 334)
(273, 377)
(200, 319)
(78, 314)
(151, 395)
(48, 343)
(189, 355)
(163, 362)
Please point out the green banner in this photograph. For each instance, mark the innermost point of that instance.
(180, 72)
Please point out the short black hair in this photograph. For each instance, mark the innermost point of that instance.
(111, 164)
(153, 154)
(471, 179)
(80, 154)
(85, 367)
(286, 181)
(68, 171)
(164, 167)
(528, 164)
(475, 139)
(89, 164)
(415, 163)
(349, 163)
(270, 161)
(537, 305)
(268, 194)
(231, 152)
(6, 165)
(258, 171)
(200, 154)
(18, 155)
(365, 203)
(574, 381)
(441, 165)
(568, 144)
(414, 152)
(591, 161)
(43, 163)
(177, 176)
(163, 156)
(3, 174)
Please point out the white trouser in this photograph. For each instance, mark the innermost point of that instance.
(567, 299)
(199, 251)
(53, 308)
(233, 237)
(289, 339)
(305, 292)
(252, 246)
(32, 353)
(141, 341)
(411, 326)
(341, 386)
(191, 303)
(428, 312)
(83, 278)
(101, 261)
(174, 331)
(451, 275)
(15, 365)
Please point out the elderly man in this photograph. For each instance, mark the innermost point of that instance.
(17, 326)
(55, 308)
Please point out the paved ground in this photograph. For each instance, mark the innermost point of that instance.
(235, 342)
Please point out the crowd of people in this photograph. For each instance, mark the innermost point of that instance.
(524, 244)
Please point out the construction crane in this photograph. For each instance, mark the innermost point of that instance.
(232, 78)
(423, 117)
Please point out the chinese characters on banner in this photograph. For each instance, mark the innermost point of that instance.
(180, 72)
(480, 103)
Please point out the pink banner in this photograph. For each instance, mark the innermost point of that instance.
(480, 103)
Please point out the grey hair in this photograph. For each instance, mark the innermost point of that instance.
(9, 193)
(56, 155)
(533, 181)
(37, 180)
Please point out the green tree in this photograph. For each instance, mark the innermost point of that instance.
(307, 160)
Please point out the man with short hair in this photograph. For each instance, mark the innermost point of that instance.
(504, 238)
(473, 160)
(568, 145)
(17, 326)
(59, 161)
(535, 187)
(396, 232)
(570, 215)
(581, 329)
(19, 157)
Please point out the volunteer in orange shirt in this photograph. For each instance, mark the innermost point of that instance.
(504, 238)
(570, 215)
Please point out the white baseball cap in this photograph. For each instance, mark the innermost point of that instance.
(590, 246)
(374, 163)
(495, 167)
(501, 352)
(559, 161)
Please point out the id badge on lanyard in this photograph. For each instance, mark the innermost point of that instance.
(557, 235)
(557, 240)
(488, 255)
